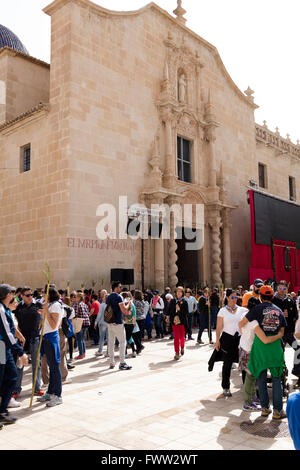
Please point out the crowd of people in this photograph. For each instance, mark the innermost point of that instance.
(252, 329)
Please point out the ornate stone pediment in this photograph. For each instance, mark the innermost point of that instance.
(187, 125)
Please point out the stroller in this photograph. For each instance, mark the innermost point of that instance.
(284, 380)
(286, 387)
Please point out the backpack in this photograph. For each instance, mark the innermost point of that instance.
(66, 324)
(109, 316)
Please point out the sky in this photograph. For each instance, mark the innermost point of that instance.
(258, 41)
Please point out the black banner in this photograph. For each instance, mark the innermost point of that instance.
(275, 219)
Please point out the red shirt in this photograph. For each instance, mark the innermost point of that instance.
(95, 305)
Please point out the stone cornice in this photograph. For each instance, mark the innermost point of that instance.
(24, 118)
(12, 52)
(54, 6)
(274, 140)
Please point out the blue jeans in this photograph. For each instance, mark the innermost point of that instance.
(190, 323)
(55, 380)
(18, 387)
(33, 347)
(33, 350)
(214, 312)
(103, 333)
(276, 391)
(203, 324)
(80, 341)
(8, 379)
(158, 323)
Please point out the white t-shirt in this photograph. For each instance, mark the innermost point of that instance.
(231, 320)
(248, 335)
(55, 307)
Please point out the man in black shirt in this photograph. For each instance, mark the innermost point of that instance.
(29, 323)
(289, 309)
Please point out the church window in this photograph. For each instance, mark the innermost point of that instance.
(25, 164)
(184, 164)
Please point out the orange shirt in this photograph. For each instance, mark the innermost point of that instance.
(247, 296)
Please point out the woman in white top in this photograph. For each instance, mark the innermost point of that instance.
(50, 346)
(227, 325)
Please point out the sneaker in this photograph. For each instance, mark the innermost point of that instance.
(256, 400)
(124, 366)
(7, 418)
(251, 407)
(13, 403)
(227, 392)
(182, 351)
(199, 341)
(98, 354)
(112, 366)
(133, 354)
(15, 395)
(176, 357)
(190, 338)
(44, 398)
(39, 393)
(69, 367)
(55, 401)
(277, 415)
(265, 412)
(80, 357)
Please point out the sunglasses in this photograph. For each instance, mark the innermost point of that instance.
(28, 295)
(282, 288)
(12, 300)
(233, 297)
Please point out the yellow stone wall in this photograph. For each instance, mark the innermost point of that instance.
(95, 143)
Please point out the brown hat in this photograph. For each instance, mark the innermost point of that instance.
(267, 291)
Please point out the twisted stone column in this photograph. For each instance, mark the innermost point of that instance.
(216, 262)
(226, 248)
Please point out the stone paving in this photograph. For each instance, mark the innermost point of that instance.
(158, 405)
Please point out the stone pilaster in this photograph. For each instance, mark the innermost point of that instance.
(170, 160)
(227, 248)
(210, 135)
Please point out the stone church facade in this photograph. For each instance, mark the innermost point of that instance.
(136, 104)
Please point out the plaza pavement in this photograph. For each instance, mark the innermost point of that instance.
(158, 405)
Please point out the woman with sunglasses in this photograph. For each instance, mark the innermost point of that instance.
(228, 336)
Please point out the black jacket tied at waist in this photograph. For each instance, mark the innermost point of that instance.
(229, 348)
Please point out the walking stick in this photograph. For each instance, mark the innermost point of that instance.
(47, 274)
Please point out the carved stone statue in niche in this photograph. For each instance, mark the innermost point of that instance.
(182, 88)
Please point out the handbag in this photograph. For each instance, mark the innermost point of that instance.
(77, 323)
(109, 316)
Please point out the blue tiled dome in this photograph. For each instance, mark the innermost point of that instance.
(9, 39)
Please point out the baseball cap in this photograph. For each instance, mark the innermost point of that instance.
(258, 282)
(267, 291)
(6, 289)
(155, 292)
